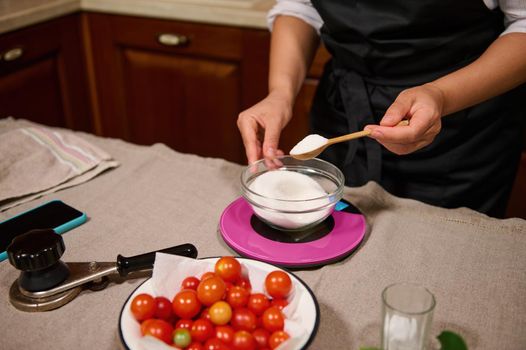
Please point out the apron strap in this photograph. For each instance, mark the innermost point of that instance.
(358, 111)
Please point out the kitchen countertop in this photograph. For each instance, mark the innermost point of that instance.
(16, 14)
(473, 264)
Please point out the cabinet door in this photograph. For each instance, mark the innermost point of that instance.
(153, 89)
(42, 75)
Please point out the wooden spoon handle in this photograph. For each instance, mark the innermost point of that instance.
(359, 134)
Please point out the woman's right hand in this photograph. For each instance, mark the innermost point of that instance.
(261, 126)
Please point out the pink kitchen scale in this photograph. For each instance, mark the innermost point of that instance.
(330, 241)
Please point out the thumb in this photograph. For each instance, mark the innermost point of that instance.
(397, 111)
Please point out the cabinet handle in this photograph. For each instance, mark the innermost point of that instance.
(13, 54)
(169, 39)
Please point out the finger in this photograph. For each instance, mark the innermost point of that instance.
(398, 110)
(403, 149)
(249, 129)
(420, 123)
(271, 140)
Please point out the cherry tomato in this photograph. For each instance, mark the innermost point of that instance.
(278, 284)
(228, 268)
(186, 304)
(190, 283)
(207, 275)
(237, 296)
(273, 319)
(159, 329)
(195, 346)
(215, 344)
(243, 319)
(145, 325)
(163, 309)
(261, 335)
(280, 303)
(202, 330)
(220, 313)
(225, 334)
(257, 303)
(143, 307)
(277, 338)
(181, 337)
(243, 340)
(205, 314)
(244, 283)
(184, 323)
(211, 290)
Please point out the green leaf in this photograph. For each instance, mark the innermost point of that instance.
(451, 341)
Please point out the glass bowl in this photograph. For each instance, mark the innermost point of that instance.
(293, 201)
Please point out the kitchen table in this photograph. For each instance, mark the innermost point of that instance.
(474, 265)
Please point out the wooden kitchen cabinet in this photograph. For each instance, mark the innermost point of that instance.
(178, 83)
(43, 76)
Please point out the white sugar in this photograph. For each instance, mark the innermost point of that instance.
(280, 186)
(308, 144)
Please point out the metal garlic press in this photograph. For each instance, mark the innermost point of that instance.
(46, 283)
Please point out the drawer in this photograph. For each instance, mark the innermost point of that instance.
(177, 37)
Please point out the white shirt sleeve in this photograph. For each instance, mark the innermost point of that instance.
(514, 14)
(301, 9)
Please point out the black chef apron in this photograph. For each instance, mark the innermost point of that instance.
(380, 48)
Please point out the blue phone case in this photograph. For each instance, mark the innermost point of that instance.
(59, 229)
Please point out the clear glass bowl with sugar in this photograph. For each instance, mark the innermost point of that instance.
(294, 196)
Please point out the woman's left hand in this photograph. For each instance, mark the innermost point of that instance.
(422, 106)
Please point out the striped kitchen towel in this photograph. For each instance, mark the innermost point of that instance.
(37, 160)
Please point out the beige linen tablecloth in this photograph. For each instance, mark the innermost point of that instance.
(475, 265)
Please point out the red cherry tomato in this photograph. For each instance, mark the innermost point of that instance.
(207, 275)
(145, 325)
(205, 314)
(243, 340)
(163, 309)
(243, 319)
(225, 334)
(143, 307)
(278, 284)
(258, 303)
(195, 346)
(184, 323)
(190, 283)
(280, 303)
(244, 283)
(159, 329)
(228, 268)
(202, 330)
(273, 319)
(215, 344)
(186, 304)
(277, 338)
(211, 290)
(261, 335)
(237, 296)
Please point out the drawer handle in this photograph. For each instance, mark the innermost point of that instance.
(169, 39)
(13, 54)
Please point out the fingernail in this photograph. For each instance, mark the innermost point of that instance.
(271, 152)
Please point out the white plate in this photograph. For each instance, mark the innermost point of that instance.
(306, 310)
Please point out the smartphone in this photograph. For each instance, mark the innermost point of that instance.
(55, 214)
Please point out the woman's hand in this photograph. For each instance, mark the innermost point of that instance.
(423, 107)
(261, 126)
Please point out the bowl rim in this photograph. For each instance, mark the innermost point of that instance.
(338, 192)
(311, 293)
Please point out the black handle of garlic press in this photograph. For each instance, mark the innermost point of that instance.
(125, 265)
